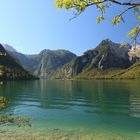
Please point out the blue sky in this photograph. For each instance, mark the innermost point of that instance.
(33, 25)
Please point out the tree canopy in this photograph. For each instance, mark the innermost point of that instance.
(80, 5)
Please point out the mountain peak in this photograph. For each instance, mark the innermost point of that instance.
(45, 51)
(106, 41)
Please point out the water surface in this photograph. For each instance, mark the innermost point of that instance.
(76, 109)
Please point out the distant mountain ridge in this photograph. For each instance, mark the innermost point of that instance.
(108, 60)
(45, 63)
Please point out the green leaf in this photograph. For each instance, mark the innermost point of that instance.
(134, 32)
(117, 20)
(99, 19)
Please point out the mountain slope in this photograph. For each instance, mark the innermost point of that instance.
(133, 72)
(51, 60)
(10, 69)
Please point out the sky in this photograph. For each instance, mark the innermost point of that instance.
(33, 25)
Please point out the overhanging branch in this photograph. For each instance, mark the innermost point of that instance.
(116, 2)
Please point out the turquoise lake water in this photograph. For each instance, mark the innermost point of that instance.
(77, 107)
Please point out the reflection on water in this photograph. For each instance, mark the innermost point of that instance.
(112, 105)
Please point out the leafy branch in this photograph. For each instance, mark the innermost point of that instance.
(79, 6)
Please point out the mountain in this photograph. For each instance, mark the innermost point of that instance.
(10, 69)
(45, 63)
(105, 56)
(51, 60)
(108, 60)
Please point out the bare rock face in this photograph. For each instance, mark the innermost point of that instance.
(134, 54)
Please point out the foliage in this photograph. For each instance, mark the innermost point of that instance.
(1, 70)
(7, 73)
(2, 54)
(79, 6)
(3, 102)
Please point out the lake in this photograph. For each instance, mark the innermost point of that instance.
(65, 109)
